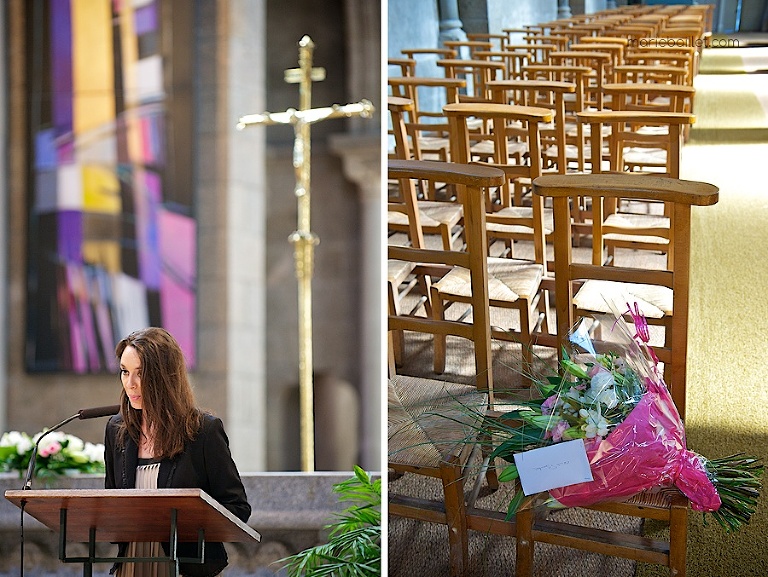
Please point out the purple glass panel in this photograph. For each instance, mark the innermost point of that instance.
(61, 66)
(145, 19)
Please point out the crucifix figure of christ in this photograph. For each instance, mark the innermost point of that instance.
(303, 239)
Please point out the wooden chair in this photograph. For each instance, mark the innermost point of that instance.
(598, 62)
(428, 53)
(660, 57)
(516, 284)
(498, 41)
(426, 126)
(669, 506)
(513, 60)
(623, 227)
(422, 217)
(639, 73)
(476, 73)
(404, 66)
(465, 49)
(429, 429)
(539, 51)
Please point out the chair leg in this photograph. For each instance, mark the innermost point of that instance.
(678, 537)
(439, 340)
(398, 339)
(524, 543)
(456, 518)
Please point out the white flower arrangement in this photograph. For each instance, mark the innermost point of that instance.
(57, 454)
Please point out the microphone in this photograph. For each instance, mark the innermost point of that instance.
(81, 414)
(96, 412)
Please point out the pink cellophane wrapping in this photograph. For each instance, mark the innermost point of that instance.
(646, 450)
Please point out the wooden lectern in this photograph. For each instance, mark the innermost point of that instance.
(114, 515)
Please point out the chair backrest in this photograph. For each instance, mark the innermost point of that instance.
(548, 94)
(398, 108)
(422, 120)
(416, 88)
(499, 41)
(513, 60)
(405, 66)
(565, 189)
(477, 73)
(412, 53)
(624, 133)
(639, 73)
(655, 96)
(499, 118)
(470, 182)
(599, 62)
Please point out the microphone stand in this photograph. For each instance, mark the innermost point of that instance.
(33, 457)
(28, 481)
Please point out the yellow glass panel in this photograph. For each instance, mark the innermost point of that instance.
(93, 74)
(101, 190)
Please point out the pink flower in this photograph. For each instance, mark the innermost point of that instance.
(50, 449)
(557, 431)
(548, 405)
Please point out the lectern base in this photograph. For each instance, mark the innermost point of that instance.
(172, 559)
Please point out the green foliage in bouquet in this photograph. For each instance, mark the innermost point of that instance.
(354, 544)
(58, 454)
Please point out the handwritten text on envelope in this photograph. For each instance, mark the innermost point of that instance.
(554, 466)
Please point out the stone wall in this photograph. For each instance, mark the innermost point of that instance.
(290, 511)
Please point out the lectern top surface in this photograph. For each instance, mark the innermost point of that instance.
(133, 514)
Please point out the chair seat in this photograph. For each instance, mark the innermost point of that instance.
(485, 148)
(572, 152)
(433, 143)
(509, 279)
(429, 420)
(638, 223)
(398, 270)
(519, 212)
(645, 156)
(432, 213)
(655, 302)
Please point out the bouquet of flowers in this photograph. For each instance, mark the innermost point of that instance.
(58, 454)
(618, 403)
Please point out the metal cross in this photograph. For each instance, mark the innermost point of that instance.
(303, 239)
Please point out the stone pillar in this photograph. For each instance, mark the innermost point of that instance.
(611, 4)
(231, 208)
(361, 160)
(563, 9)
(360, 152)
(450, 23)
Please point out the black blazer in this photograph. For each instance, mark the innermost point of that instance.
(206, 464)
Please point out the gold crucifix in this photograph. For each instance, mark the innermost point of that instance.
(303, 239)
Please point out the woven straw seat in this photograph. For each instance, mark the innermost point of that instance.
(428, 421)
(634, 223)
(433, 213)
(485, 149)
(508, 280)
(518, 212)
(604, 296)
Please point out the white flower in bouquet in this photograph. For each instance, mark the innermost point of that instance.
(601, 390)
(74, 444)
(20, 441)
(50, 444)
(94, 452)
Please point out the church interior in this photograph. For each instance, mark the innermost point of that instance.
(577, 107)
(565, 198)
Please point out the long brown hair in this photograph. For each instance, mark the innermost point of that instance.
(168, 402)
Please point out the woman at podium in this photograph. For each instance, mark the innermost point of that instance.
(161, 439)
